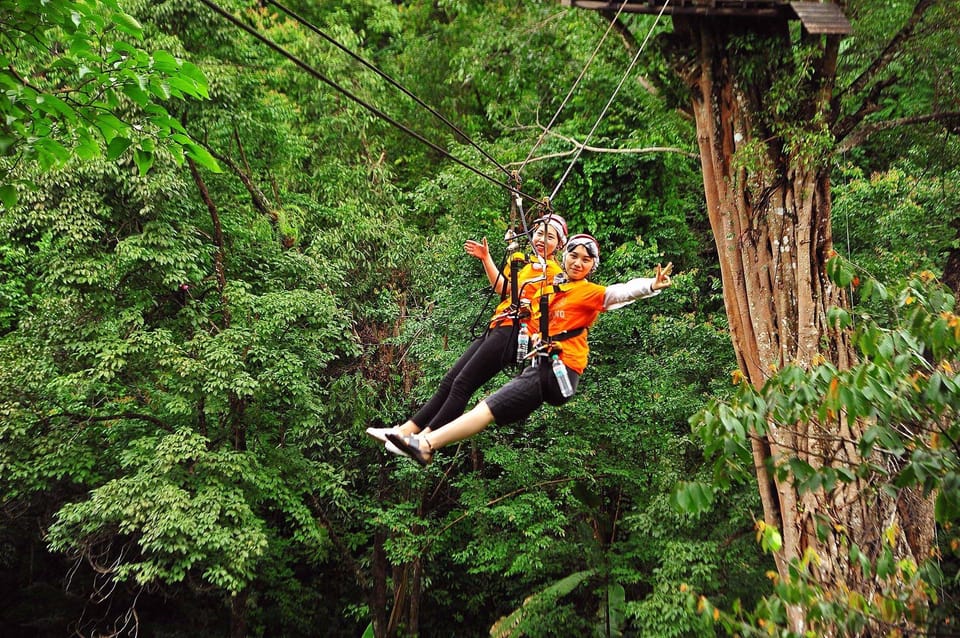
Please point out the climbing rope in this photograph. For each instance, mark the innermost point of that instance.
(348, 94)
(513, 189)
(389, 79)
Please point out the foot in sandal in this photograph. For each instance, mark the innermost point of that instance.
(416, 447)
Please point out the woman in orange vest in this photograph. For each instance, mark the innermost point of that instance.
(496, 349)
(574, 304)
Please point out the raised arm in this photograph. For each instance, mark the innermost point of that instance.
(623, 294)
(481, 251)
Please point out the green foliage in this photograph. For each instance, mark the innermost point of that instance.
(125, 377)
(889, 214)
(905, 388)
(513, 625)
(81, 86)
(904, 596)
(184, 510)
(197, 432)
(928, 59)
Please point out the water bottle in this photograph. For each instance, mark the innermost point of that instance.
(523, 343)
(563, 380)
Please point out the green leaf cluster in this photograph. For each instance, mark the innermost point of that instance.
(77, 82)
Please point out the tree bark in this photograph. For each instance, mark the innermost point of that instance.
(219, 256)
(380, 571)
(238, 614)
(768, 202)
(951, 268)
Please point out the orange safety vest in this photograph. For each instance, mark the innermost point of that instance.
(530, 271)
(573, 305)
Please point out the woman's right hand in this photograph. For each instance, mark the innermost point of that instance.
(662, 278)
(480, 250)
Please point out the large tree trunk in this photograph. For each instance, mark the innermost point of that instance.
(768, 200)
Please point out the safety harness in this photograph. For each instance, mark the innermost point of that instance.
(549, 343)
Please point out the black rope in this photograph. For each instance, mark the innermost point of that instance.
(389, 79)
(482, 312)
(318, 75)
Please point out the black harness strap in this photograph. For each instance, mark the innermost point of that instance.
(545, 321)
(517, 261)
(567, 334)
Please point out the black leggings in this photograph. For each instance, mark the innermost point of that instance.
(485, 357)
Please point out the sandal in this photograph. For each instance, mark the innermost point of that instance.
(393, 449)
(380, 434)
(410, 445)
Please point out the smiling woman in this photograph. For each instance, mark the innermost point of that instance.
(573, 305)
(496, 348)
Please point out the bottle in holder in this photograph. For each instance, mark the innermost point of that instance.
(563, 379)
(523, 343)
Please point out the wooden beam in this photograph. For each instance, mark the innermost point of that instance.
(764, 8)
(816, 17)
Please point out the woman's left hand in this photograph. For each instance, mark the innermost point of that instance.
(662, 278)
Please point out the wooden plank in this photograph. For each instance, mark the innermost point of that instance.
(822, 18)
(816, 17)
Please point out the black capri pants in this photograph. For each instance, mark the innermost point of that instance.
(519, 397)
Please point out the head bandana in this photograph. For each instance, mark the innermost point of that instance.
(556, 222)
(591, 245)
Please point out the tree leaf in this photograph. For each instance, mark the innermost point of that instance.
(203, 157)
(8, 196)
(128, 24)
(116, 147)
(143, 160)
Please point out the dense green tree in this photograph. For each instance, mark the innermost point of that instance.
(775, 105)
(77, 82)
(773, 102)
(168, 356)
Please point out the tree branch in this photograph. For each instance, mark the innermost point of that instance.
(882, 61)
(131, 416)
(869, 104)
(861, 134)
(625, 34)
(219, 256)
(892, 49)
(598, 149)
(631, 44)
(256, 195)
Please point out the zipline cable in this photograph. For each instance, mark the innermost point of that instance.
(576, 83)
(318, 75)
(610, 101)
(515, 194)
(389, 79)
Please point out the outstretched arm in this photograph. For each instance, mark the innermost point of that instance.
(481, 251)
(620, 295)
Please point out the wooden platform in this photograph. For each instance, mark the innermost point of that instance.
(816, 17)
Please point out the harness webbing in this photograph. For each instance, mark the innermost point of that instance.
(546, 337)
